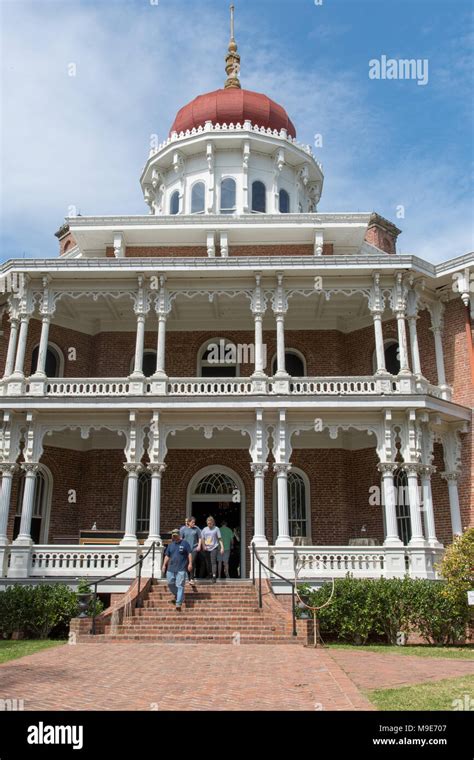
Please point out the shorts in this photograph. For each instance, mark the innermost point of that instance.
(224, 557)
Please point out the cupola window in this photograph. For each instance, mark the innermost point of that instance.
(259, 203)
(197, 198)
(174, 203)
(284, 202)
(228, 194)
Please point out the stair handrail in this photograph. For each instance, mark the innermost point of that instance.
(282, 577)
(139, 562)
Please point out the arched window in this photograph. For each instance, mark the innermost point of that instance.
(284, 202)
(259, 201)
(216, 483)
(392, 357)
(149, 363)
(218, 358)
(197, 198)
(40, 507)
(298, 505)
(53, 361)
(400, 481)
(294, 364)
(174, 203)
(228, 195)
(143, 502)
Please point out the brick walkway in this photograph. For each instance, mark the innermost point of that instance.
(135, 676)
(371, 670)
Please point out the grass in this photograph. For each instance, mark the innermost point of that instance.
(11, 650)
(421, 650)
(448, 694)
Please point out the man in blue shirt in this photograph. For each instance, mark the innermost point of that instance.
(178, 560)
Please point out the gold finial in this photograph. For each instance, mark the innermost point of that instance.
(232, 61)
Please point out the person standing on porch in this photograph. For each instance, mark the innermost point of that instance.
(227, 541)
(178, 559)
(211, 541)
(192, 534)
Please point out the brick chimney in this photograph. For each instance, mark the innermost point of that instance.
(66, 240)
(382, 234)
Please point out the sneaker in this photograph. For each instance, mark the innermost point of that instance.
(172, 601)
(178, 608)
(192, 583)
(214, 579)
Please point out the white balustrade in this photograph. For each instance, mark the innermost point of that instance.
(192, 386)
(87, 387)
(334, 386)
(79, 561)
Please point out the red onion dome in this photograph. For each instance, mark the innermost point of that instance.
(233, 106)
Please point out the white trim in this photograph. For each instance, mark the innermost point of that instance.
(58, 351)
(203, 347)
(191, 496)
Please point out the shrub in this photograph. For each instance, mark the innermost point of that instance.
(36, 610)
(363, 609)
(457, 565)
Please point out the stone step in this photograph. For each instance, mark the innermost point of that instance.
(177, 639)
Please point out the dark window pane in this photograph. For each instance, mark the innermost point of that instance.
(174, 204)
(284, 200)
(197, 198)
(227, 195)
(52, 362)
(258, 197)
(149, 363)
(293, 365)
(392, 359)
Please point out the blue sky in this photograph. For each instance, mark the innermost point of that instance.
(82, 141)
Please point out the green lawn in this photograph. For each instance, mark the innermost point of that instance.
(11, 650)
(422, 650)
(448, 694)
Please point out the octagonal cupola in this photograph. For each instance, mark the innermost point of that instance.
(232, 151)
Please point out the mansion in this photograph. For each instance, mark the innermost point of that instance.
(233, 352)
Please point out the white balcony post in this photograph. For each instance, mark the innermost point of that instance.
(379, 345)
(157, 469)
(282, 470)
(402, 342)
(139, 346)
(454, 508)
(21, 348)
(438, 341)
(7, 470)
(417, 538)
(437, 324)
(160, 352)
(43, 347)
(24, 536)
(133, 469)
(415, 350)
(425, 474)
(388, 490)
(259, 469)
(12, 344)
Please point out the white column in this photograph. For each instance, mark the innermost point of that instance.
(43, 347)
(258, 318)
(160, 352)
(438, 341)
(7, 471)
(12, 343)
(282, 470)
(139, 346)
(379, 345)
(21, 349)
(388, 489)
(133, 470)
(259, 469)
(415, 350)
(452, 480)
(157, 470)
(280, 334)
(426, 472)
(417, 538)
(402, 342)
(24, 536)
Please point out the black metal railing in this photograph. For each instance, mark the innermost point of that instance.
(139, 562)
(261, 564)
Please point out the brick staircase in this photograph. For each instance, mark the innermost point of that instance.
(225, 612)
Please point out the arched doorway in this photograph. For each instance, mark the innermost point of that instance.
(41, 505)
(218, 491)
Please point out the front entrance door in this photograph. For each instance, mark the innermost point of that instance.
(222, 510)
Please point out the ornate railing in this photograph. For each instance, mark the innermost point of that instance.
(77, 561)
(87, 387)
(195, 386)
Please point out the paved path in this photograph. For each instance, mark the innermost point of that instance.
(157, 677)
(373, 670)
